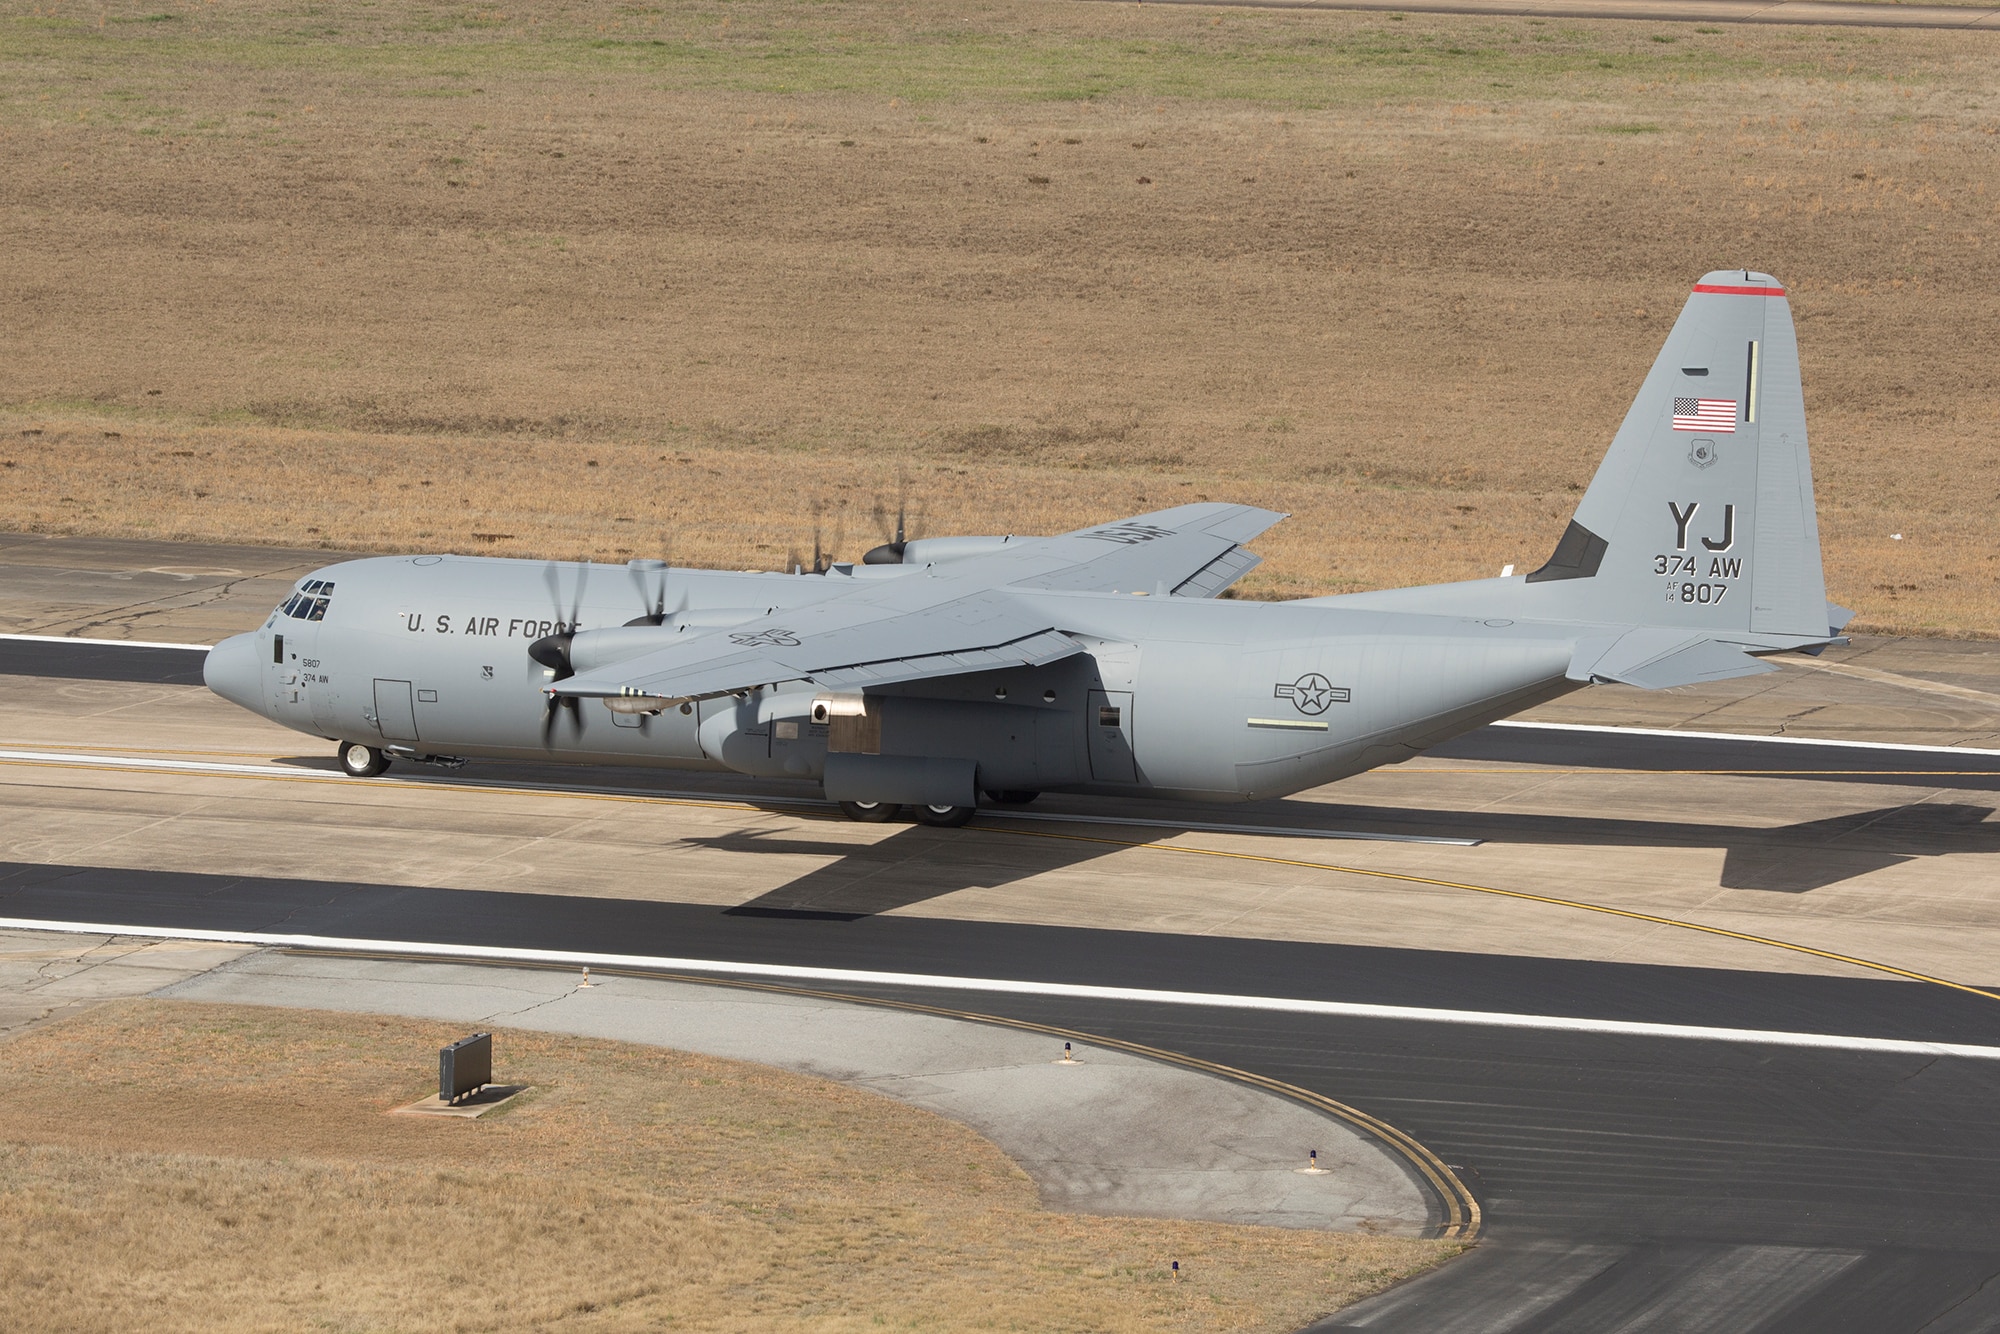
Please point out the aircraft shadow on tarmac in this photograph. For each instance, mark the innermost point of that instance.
(911, 866)
(1783, 859)
(917, 864)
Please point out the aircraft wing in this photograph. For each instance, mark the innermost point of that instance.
(845, 645)
(1187, 551)
(954, 617)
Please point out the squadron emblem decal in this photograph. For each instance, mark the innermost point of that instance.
(1701, 453)
(766, 639)
(1311, 693)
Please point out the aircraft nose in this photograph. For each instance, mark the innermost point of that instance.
(232, 670)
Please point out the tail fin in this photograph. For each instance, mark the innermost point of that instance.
(1700, 519)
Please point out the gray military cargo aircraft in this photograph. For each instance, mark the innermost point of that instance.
(1099, 661)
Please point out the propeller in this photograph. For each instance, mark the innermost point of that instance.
(655, 602)
(891, 552)
(552, 651)
(825, 553)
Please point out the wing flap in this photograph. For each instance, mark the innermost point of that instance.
(1034, 651)
(1218, 574)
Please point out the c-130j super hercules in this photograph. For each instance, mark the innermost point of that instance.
(1099, 661)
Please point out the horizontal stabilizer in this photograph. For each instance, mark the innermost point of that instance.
(1656, 659)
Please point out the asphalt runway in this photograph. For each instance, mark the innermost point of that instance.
(1631, 1175)
(101, 660)
(1237, 966)
(1627, 1181)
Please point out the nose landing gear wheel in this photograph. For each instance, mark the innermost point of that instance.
(869, 812)
(362, 761)
(945, 817)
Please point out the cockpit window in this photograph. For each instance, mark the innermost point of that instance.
(310, 602)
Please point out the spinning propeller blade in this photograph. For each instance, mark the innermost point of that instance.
(552, 651)
(891, 551)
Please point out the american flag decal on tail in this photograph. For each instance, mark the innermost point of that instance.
(1705, 414)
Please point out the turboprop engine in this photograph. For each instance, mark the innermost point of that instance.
(571, 652)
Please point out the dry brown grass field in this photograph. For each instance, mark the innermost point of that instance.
(610, 279)
(172, 1166)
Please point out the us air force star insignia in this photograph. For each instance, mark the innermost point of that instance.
(766, 638)
(1702, 453)
(1311, 693)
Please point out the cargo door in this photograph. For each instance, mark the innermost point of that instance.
(1109, 718)
(395, 711)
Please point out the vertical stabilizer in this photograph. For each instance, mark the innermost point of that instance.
(1701, 516)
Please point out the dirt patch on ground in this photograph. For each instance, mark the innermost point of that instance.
(188, 1166)
(395, 277)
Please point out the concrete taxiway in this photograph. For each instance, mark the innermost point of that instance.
(1571, 998)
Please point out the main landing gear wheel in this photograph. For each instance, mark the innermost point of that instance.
(361, 761)
(869, 812)
(1011, 797)
(945, 817)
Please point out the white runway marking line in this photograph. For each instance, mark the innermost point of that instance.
(1670, 733)
(1003, 986)
(106, 643)
(141, 764)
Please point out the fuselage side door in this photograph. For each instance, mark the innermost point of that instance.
(1109, 718)
(395, 710)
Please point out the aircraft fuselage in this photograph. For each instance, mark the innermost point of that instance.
(1218, 700)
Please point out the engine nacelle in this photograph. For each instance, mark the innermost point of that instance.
(938, 550)
(589, 650)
